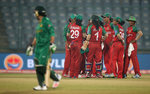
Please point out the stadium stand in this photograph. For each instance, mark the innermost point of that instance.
(17, 21)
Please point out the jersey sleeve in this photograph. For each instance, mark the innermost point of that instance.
(116, 29)
(51, 29)
(89, 30)
(49, 26)
(65, 32)
(103, 31)
(135, 29)
(83, 29)
(111, 25)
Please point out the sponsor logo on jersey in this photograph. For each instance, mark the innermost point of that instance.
(108, 32)
(129, 30)
(130, 35)
(74, 27)
(13, 62)
(41, 25)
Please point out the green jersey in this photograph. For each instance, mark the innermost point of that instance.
(65, 32)
(44, 31)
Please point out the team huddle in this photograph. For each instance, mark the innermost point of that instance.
(102, 38)
(85, 48)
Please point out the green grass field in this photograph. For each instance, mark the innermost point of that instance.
(23, 84)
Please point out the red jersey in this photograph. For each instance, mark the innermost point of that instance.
(131, 33)
(120, 30)
(96, 35)
(75, 33)
(109, 29)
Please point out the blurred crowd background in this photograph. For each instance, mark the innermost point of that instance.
(17, 21)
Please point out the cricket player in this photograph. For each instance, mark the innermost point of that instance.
(72, 20)
(95, 32)
(84, 53)
(44, 46)
(133, 35)
(82, 63)
(93, 69)
(118, 47)
(108, 49)
(76, 33)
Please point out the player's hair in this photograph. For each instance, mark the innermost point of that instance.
(111, 19)
(79, 22)
(69, 20)
(101, 23)
(95, 21)
(122, 23)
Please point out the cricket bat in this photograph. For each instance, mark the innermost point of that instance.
(47, 75)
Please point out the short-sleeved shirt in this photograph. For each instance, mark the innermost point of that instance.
(66, 28)
(118, 30)
(109, 29)
(76, 32)
(96, 35)
(44, 31)
(131, 33)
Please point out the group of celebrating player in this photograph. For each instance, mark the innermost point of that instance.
(103, 37)
(85, 46)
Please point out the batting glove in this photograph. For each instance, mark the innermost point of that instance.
(29, 51)
(52, 47)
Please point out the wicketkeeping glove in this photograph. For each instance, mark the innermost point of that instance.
(52, 47)
(29, 50)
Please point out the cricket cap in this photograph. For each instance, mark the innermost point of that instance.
(79, 17)
(131, 18)
(73, 16)
(106, 15)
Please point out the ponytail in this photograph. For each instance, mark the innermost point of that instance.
(95, 21)
(79, 22)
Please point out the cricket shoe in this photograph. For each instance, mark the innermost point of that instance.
(111, 75)
(136, 76)
(93, 75)
(55, 84)
(99, 75)
(65, 75)
(125, 76)
(81, 76)
(44, 87)
(106, 75)
(38, 88)
(87, 75)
